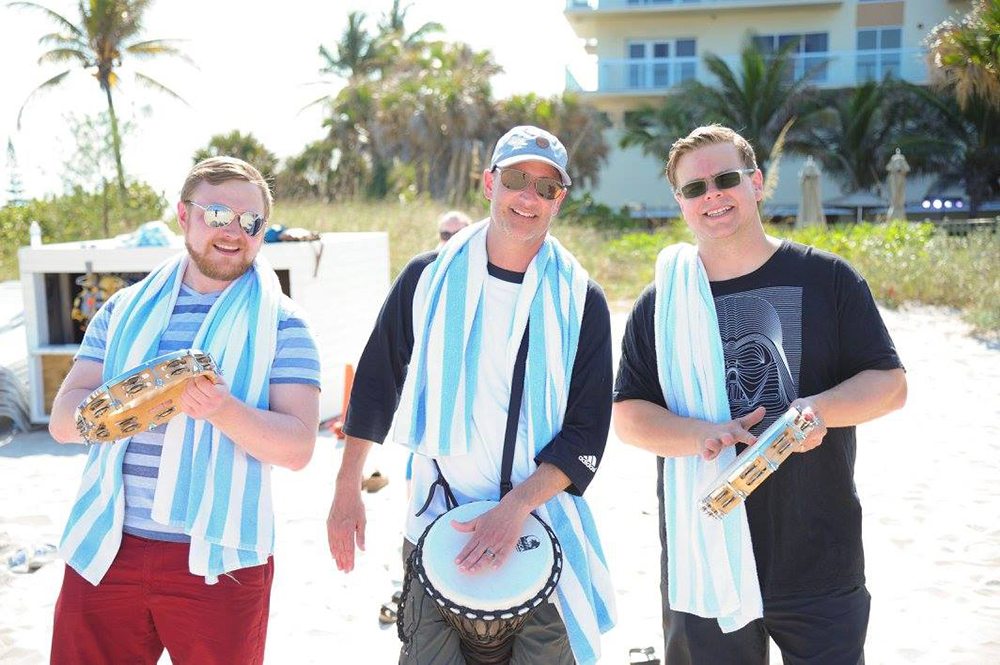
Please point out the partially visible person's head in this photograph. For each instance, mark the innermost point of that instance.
(223, 210)
(451, 223)
(704, 136)
(526, 182)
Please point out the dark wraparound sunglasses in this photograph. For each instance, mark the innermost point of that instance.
(515, 181)
(218, 215)
(446, 235)
(727, 180)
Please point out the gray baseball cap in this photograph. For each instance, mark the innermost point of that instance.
(526, 143)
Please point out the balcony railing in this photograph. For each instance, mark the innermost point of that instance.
(618, 5)
(825, 70)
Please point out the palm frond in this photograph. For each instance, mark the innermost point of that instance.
(62, 39)
(774, 160)
(55, 80)
(157, 47)
(325, 99)
(55, 16)
(153, 84)
(59, 55)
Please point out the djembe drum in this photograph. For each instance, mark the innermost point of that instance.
(141, 398)
(756, 463)
(485, 608)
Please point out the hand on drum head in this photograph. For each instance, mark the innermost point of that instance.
(718, 436)
(203, 398)
(494, 534)
(808, 408)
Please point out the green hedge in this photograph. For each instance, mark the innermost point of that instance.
(79, 215)
(902, 262)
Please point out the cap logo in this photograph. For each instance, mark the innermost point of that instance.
(541, 142)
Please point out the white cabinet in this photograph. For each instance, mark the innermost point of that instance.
(341, 289)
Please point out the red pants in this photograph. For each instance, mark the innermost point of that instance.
(148, 600)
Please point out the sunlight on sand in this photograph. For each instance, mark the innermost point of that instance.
(926, 476)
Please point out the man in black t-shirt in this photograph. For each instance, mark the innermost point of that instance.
(452, 376)
(798, 326)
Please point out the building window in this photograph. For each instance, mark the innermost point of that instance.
(879, 53)
(661, 63)
(809, 56)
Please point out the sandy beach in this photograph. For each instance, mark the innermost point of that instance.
(927, 476)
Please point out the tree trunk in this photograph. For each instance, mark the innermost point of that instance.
(104, 209)
(116, 141)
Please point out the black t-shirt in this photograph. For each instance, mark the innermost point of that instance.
(577, 449)
(800, 324)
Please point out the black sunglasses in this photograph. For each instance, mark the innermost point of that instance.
(515, 181)
(218, 215)
(727, 180)
(446, 235)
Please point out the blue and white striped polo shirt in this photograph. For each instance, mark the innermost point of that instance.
(296, 360)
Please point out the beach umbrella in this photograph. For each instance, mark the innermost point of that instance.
(897, 168)
(859, 201)
(810, 202)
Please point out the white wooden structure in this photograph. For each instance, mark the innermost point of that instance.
(341, 290)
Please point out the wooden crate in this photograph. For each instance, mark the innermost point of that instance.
(55, 367)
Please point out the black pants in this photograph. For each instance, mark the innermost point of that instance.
(821, 630)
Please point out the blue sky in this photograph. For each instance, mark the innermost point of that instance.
(257, 66)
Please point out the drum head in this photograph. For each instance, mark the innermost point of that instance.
(526, 570)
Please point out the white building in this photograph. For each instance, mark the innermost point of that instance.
(645, 48)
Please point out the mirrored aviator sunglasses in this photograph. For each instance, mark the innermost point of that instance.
(217, 215)
(727, 180)
(514, 180)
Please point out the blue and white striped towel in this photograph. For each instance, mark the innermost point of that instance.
(434, 416)
(711, 568)
(219, 494)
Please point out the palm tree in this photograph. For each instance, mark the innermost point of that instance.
(365, 61)
(356, 55)
(245, 147)
(393, 26)
(965, 54)
(959, 145)
(758, 99)
(104, 33)
(853, 136)
(433, 112)
(579, 127)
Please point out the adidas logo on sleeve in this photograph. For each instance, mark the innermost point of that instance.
(589, 461)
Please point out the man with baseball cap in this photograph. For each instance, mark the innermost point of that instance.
(502, 299)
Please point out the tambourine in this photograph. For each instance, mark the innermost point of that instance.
(141, 398)
(756, 463)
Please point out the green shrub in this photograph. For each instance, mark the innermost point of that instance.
(584, 211)
(79, 215)
(905, 262)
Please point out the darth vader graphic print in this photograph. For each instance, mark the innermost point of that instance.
(762, 343)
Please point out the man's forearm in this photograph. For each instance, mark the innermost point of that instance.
(269, 436)
(865, 396)
(651, 427)
(352, 462)
(62, 421)
(546, 481)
